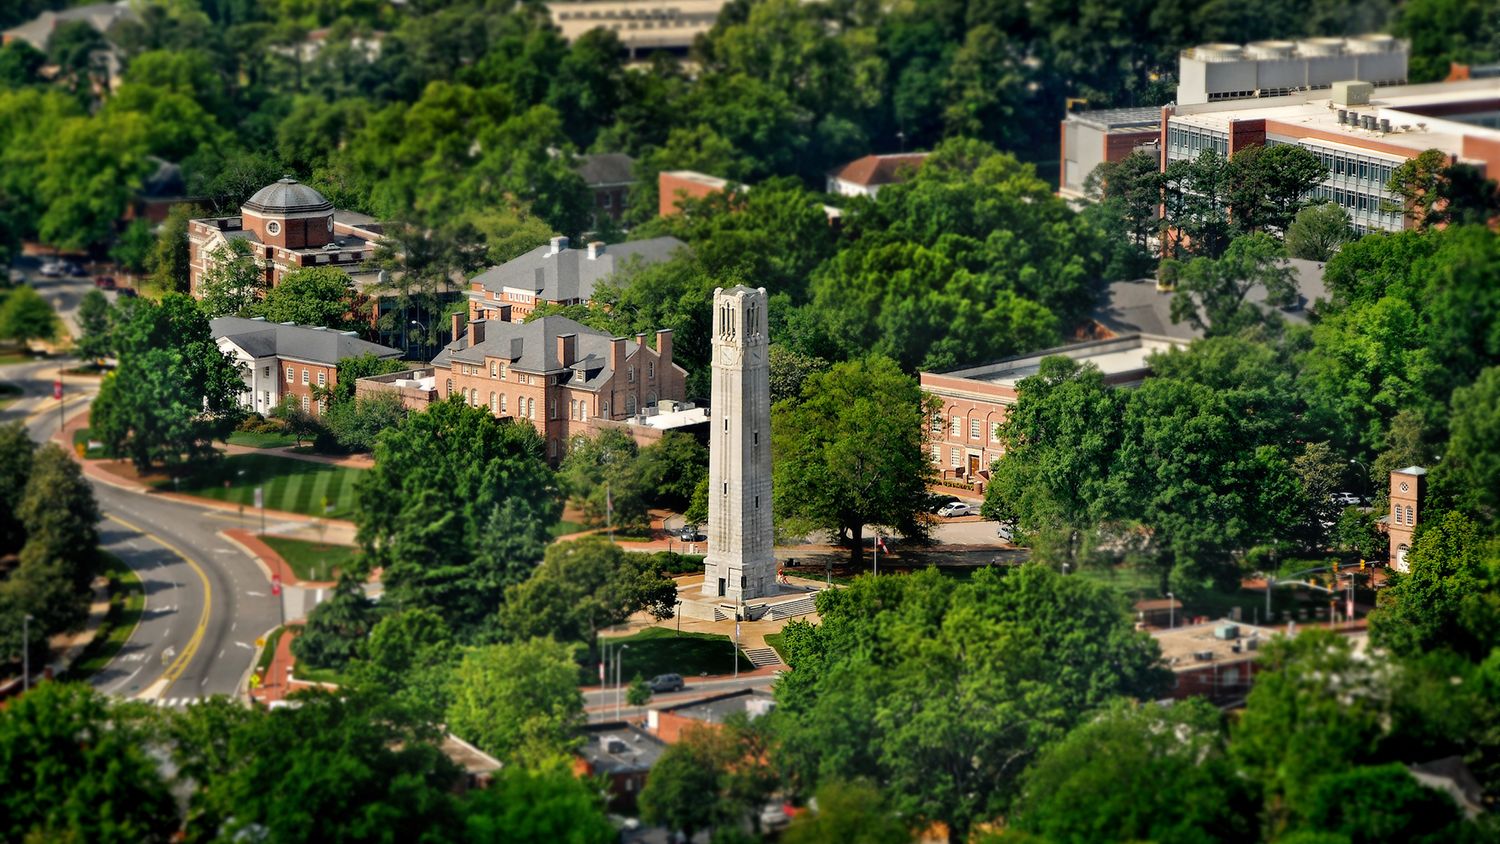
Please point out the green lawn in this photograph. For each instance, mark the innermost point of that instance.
(126, 600)
(313, 560)
(262, 439)
(307, 674)
(269, 651)
(565, 528)
(661, 650)
(7, 358)
(294, 486)
(777, 641)
(81, 437)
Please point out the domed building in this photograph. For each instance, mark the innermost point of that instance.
(288, 226)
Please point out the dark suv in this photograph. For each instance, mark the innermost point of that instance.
(667, 683)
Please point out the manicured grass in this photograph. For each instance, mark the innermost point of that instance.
(313, 560)
(307, 674)
(777, 642)
(8, 358)
(662, 650)
(294, 486)
(262, 439)
(565, 528)
(81, 437)
(127, 598)
(268, 653)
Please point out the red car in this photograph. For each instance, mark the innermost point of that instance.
(104, 282)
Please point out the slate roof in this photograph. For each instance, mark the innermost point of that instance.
(101, 16)
(287, 196)
(166, 182)
(569, 274)
(532, 347)
(873, 170)
(607, 168)
(316, 345)
(1137, 307)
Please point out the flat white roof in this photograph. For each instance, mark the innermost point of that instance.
(1316, 110)
(1113, 357)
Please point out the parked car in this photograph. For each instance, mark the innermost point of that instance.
(1345, 499)
(104, 282)
(52, 269)
(689, 533)
(72, 269)
(773, 816)
(957, 508)
(127, 292)
(1006, 531)
(936, 501)
(667, 683)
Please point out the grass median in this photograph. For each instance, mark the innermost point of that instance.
(262, 439)
(313, 561)
(662, 650)
(292, 486)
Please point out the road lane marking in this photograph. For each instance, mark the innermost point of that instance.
(179, 665)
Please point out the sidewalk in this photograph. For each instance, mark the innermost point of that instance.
(351, 461)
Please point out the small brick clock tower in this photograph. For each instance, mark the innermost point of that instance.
(1408, 488)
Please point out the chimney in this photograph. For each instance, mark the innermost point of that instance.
(640, 340)
(617, 355)
(458, 325)
(567, 347)
(559, 243)
(596, 248)
(502, 313)
(664, 348)
(476, 333)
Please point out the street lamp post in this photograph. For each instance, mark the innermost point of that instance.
(619, 661)
(1171, 611)
(408, 337)
(26, 652)
(1366, 484)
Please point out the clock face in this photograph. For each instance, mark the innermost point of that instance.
(1404, 487)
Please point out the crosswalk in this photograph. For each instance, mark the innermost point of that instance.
(174, 702)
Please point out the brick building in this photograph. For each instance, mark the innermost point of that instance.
(560, 375)
(964, 435)
(1408, 488)
(283, 359)
(609, 175)
(288, 226)
(558, 275)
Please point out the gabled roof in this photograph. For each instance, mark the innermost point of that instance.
(607, 168)
(260, 339)
(532, 347)
(873, 170)
(569, 273)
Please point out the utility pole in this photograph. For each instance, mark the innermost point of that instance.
(26, 652)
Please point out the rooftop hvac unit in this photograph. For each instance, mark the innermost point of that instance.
(614, 745)
(1252, 644)
(1203, 656)
(1225, 632)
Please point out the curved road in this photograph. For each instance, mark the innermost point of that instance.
(206, 600)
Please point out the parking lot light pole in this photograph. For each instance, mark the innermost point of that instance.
(1171, 611)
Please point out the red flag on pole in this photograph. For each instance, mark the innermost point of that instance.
(881, 541)
(57, 389)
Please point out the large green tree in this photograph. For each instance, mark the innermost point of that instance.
(174, 391)
(25, 316)
(538, 802)
(601, 478)
(1449, 597)
(1213, 293)
(518, 700)
(424, 511)
(74, 771)
(851, 451)
(95, 339)
(336, 629)
(1318, 231)
(234, 281)
(1469, 474)
(313, 296)
(946, 692)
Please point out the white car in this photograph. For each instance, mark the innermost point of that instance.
(1005, 531)
(1345, 499)
(957, 508)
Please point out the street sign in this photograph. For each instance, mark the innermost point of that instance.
(260, 500)
(275, 584)
(57, 389)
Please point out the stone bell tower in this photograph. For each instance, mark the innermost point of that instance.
(740, 564)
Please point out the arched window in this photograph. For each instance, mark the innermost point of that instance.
(450, 388)
(651, 398)
(493, 369)
(1410, 519)
(630, 403)
(493, 405)
(502, 402)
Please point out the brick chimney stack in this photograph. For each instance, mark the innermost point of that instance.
(596, 248)
(476, 333)
(567, 349)
(664, 347)
(457, 322)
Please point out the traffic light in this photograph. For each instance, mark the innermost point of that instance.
(1335, 567)
(1361, 565)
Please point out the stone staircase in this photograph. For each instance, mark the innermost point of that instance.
(789, 609)
(762, 657)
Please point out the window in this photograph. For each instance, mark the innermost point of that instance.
(755, 438)
(266, 397)
(492, 369)
(531, 408)
(958, 426)
(552, 409)
(604, 407)
(449, 390)
(266, 372)
(583, 410)
(726, 424)
(757, 502)
(291, 375)
(630, 404)
(630, 376)
(494, 405)
(953, 457)
(572, 408)
(551, 448)
(502, 372)
(322, 379)
(974, 429)
(305, 403)
(1409, 519)
(1397, 515)
(304, 376)
(322, 407)
(995, 431)
(937, 454)
(502, 402)
(650, 369)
